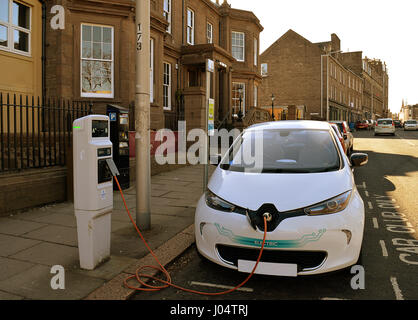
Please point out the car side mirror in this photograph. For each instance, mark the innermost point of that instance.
(359, 159)
(215, 159)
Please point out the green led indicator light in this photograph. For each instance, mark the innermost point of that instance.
(77, 127)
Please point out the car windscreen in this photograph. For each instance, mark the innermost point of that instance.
(411, 122)
(385, 122)
(283, 151)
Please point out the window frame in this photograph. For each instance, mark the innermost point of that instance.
(190, 28)
(167, 87)
(255, 52)
(209, 39)
(112, 61)
(255, 96)
(264, 70)
(236, 46)
(152, 70)
(11, 28)
(236, 100)
(169, 13)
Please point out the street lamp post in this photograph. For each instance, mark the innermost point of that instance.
(272, 106)
(142, 116)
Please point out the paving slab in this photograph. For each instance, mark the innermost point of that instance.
(55, 234)
(9, 296)
(60, 219)
(10, 245)
(35, 283)
(49, 254)
(18, 227)
(109, 270)
(11, 267)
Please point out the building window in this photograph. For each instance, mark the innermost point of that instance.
(190, 26)
(151, 65)
(255, 95)
(15, 27)
(97, 61)
(167, 86)
(238, 45)
(264, 69)
(209, 32)
(167, 14)
(238, 91)
(255, 51)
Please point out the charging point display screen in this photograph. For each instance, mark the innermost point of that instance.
(99, 129)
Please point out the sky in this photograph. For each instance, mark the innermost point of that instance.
(382, 29)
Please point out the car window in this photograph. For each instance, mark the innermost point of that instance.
(385, 122)
(341, 126)
(283, 151)
(411, 122)
(337, 131)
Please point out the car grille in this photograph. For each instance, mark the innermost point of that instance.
(304, 259)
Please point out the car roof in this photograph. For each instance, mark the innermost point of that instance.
(291, 124)
(385, 119)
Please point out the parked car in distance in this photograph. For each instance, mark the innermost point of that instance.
(398, 123)
(384, 126)
(362, 125)
(347, 135)
(372, 124)
(339, 135)
(410, 125)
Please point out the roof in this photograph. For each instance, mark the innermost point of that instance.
(291, 124)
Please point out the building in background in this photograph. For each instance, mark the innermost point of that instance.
(21, 47)
(93, 58)
(408, 112)
(310, 78)
(321, 82)
(375, 81)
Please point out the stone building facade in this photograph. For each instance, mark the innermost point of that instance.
(93, 57)
(375, 79)
(21, 47)
(320, 81)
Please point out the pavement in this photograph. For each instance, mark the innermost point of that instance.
(34, 241)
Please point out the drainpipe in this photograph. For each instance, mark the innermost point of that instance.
(182, 24)
(43, 59)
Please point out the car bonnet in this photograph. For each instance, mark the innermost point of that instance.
(285, 191)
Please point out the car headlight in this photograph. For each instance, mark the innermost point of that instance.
(214, 202)
(334, 205)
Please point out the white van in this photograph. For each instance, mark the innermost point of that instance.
(384, 126)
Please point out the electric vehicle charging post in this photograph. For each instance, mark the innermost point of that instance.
(93, 188)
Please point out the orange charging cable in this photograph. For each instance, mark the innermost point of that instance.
(167, 283)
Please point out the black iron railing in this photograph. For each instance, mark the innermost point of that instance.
(35, 132)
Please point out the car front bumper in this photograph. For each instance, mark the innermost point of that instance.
(316, 244)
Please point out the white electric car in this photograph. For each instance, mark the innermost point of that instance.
(296, 171)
